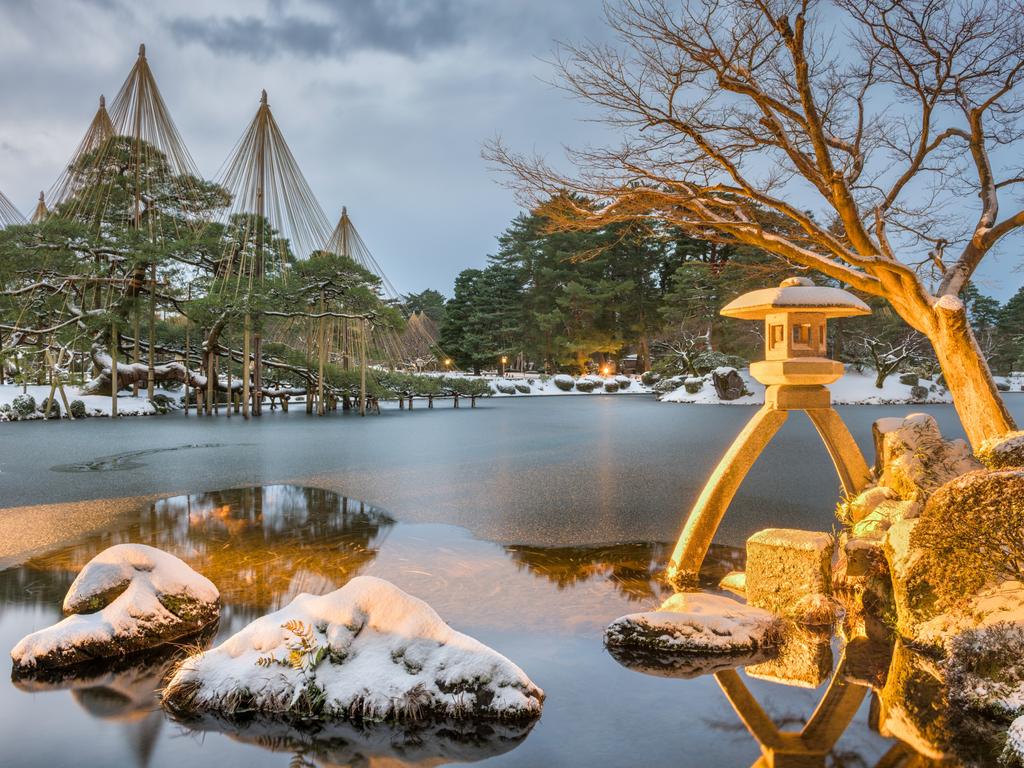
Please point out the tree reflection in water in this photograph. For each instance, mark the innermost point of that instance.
(636, 570)
(261, 546)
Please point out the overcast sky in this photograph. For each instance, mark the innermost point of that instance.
(385, 104)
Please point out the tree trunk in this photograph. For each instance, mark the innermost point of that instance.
(982, 411)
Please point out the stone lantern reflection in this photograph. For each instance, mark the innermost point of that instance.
(795, 371)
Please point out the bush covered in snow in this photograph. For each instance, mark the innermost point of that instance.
(367, 651)
(693, 385)
(624, 382)
(970, 532)
(77, 409)
(23, 406)
(611, 386)
(585, 385)
(128, 598)
(522, 387)
(50, 407)
(505, 387)
(664, 386)
(650, 378)
(564, 382)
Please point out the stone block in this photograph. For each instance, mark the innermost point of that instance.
(785, 565)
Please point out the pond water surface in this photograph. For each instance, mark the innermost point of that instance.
(528, 525)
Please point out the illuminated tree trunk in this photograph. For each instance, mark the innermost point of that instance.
(978, 404)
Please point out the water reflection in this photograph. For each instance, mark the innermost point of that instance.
(635, 570)
(261, 546)
(384, 745)
(544, 607)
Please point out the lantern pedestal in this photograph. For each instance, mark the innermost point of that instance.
(706, 515)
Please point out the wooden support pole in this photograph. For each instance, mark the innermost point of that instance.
(151, 361)
(135, 347)
(322, 348)
(113, 371)
(362, 367)
(246, 335)
(184, 362)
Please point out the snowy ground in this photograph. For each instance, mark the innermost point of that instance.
(95, 405)
(853, 389)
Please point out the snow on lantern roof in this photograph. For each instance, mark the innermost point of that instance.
(796, 294)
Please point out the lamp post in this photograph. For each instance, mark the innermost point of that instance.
(504, 362)
(795, 371)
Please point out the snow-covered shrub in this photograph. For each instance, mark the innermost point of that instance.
(505, 387)
(650, 378)
(50, 407)
(585, 385)
(910, 379)
(77, 409)
(611, 386)
(693, 385)
(985, 670)
(23, 406)
(970, 532)
(367, 651)
(162, 403)
(918, 394)
(1002, 452)
(624, 382)
(522, 387)
(664, 386)
(6, 414)
(564, 382)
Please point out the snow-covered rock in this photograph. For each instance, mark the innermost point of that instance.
(365, 651)
(128, 598)
(916, 460)
(786, 565)
(696, 622)
(564, 382)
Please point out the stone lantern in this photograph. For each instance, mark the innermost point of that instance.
(795, 371)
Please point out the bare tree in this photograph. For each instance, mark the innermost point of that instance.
(870, 140)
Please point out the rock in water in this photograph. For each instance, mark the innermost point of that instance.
(728, 383)
(367, 651)
(128, 598)
(699, 623)
(785, 565)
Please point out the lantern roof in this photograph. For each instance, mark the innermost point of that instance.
(796, 294)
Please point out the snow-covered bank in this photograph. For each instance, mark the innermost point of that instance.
(564, 384)
(15, 407)
(852, 389)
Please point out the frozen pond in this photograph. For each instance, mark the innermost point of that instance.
(540, 470)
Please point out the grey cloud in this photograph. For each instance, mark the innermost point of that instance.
(392, 25)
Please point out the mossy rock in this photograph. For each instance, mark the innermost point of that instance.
(693, 386)
(1003, 452)
(918, 394)
(77, 409)
(910, 379)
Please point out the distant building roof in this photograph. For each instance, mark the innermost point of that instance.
(797, 294)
